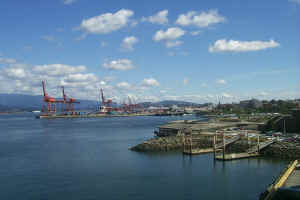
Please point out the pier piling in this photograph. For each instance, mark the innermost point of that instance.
(224, 146)
(215, 136)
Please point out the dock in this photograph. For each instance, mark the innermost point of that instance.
(188, 147)
(251, 152)
(286, 185)
(197, 151)
(235, 156)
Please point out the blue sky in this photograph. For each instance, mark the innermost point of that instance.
(201, 51)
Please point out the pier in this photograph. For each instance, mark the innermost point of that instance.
(190, 140)
(251, 152)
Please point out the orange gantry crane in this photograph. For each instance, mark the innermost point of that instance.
(49, 105)
(107, 104)
(68, 101)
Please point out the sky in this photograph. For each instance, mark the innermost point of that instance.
(199, 51)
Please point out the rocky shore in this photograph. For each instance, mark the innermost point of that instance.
(279, 149)
(283, 150)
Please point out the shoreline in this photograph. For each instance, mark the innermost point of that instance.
(279, 149)
(171, 137)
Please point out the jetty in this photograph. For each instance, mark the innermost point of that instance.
(286, 185)
(190, 141)
(250, 152)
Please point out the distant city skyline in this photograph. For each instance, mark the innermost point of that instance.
(197, 51)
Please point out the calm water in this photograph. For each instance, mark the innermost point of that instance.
(89, 159)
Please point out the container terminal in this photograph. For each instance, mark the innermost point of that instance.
(65, 107)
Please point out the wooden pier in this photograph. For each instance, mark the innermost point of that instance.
(251, 152)
(190, 140)
(286, 185)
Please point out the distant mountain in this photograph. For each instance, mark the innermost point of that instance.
(22, 102)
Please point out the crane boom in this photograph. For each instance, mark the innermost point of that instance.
(44, 89)
(63, 93)
(102, 96)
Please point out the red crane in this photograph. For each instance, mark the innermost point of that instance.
(102, 97)
(69, 101)
(124, 106)
(49, 102)
(131, 105)
(107, 104)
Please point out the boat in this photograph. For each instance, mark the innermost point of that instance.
(37, 113)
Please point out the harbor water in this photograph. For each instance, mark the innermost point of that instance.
(89, 159)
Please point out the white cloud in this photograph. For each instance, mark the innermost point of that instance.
(15, 72)
(71, 78)
(194, 33)
(241, 46)
(150, 82)
(180, 53)
(109, 78)
(263, 94)
(134, 23)
(121, 65)
(49, 38)
(185, 81)
(159, 18)
(107, 22)
(69, 2)
(7, 60)
(58, 69)
(226, 95)
(103, 83)
(128, 43)
(221, 82)
(202, 19)
(25, 79)
(21, 78)
(170, 34)
(124, 85)
(176, 43)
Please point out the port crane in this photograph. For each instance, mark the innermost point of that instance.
(68, 101)
(106, 105)
(49, 105)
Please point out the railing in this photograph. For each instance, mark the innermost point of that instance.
(280, 180)
(261, 146)
(229, 141)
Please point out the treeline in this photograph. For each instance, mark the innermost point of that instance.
(273, 106)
